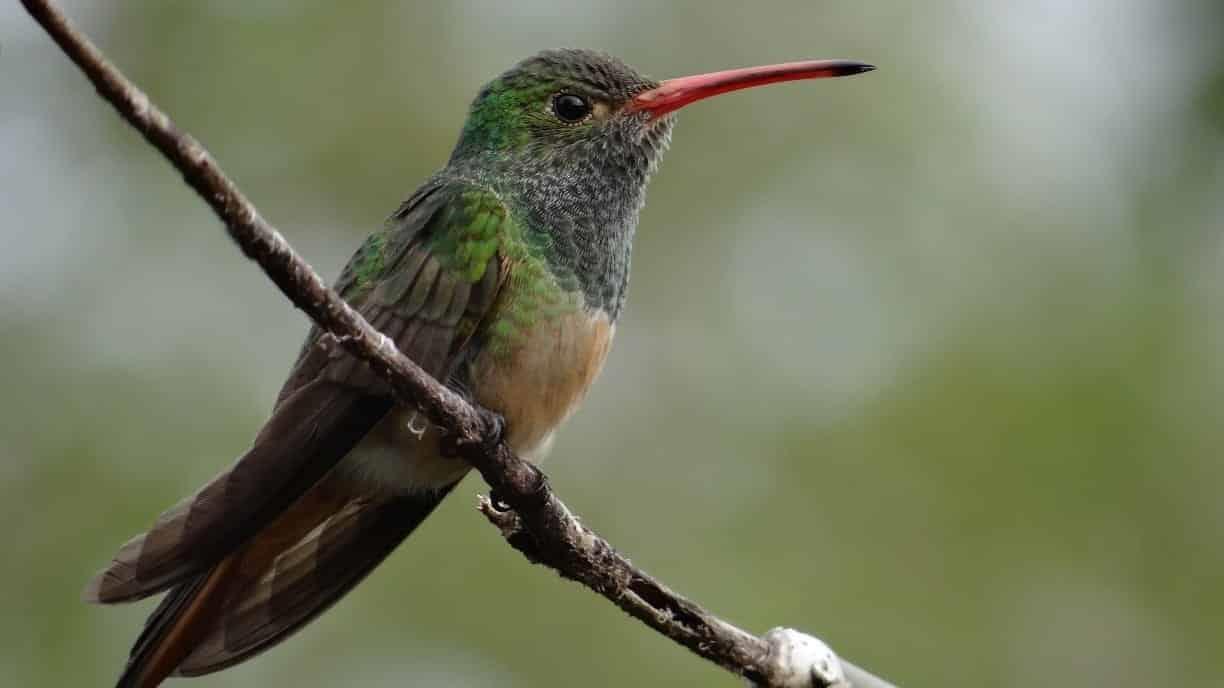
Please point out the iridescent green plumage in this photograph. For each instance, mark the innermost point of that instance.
(464, 234)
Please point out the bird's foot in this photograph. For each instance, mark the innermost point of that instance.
(453, 444)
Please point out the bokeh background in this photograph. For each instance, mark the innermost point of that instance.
(929, 362)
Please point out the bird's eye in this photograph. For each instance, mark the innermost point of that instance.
(571, 108)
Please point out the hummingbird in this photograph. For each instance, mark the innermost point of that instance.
(503, 276)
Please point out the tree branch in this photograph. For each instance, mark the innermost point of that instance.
(532, 519)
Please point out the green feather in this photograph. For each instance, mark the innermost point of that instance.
(473, 227)
(370, 262)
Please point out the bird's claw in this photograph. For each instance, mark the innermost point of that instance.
(453, 444)
(412, 427)
(495, 430)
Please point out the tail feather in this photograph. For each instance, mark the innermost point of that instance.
(308, 579)
(174, 628)
(284, 578)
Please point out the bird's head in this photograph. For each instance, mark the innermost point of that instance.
(564, 111)
(590, 120)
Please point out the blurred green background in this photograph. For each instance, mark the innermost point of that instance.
(928, 363)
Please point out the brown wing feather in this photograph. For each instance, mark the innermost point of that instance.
(307, 578)
(190, 610)
(404, 232)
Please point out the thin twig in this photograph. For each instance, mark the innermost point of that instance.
(537, 523)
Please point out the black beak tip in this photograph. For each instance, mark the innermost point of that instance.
(858, 68)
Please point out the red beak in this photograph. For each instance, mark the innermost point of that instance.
(674, 94)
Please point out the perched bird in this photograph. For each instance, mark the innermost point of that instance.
(503, 276)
